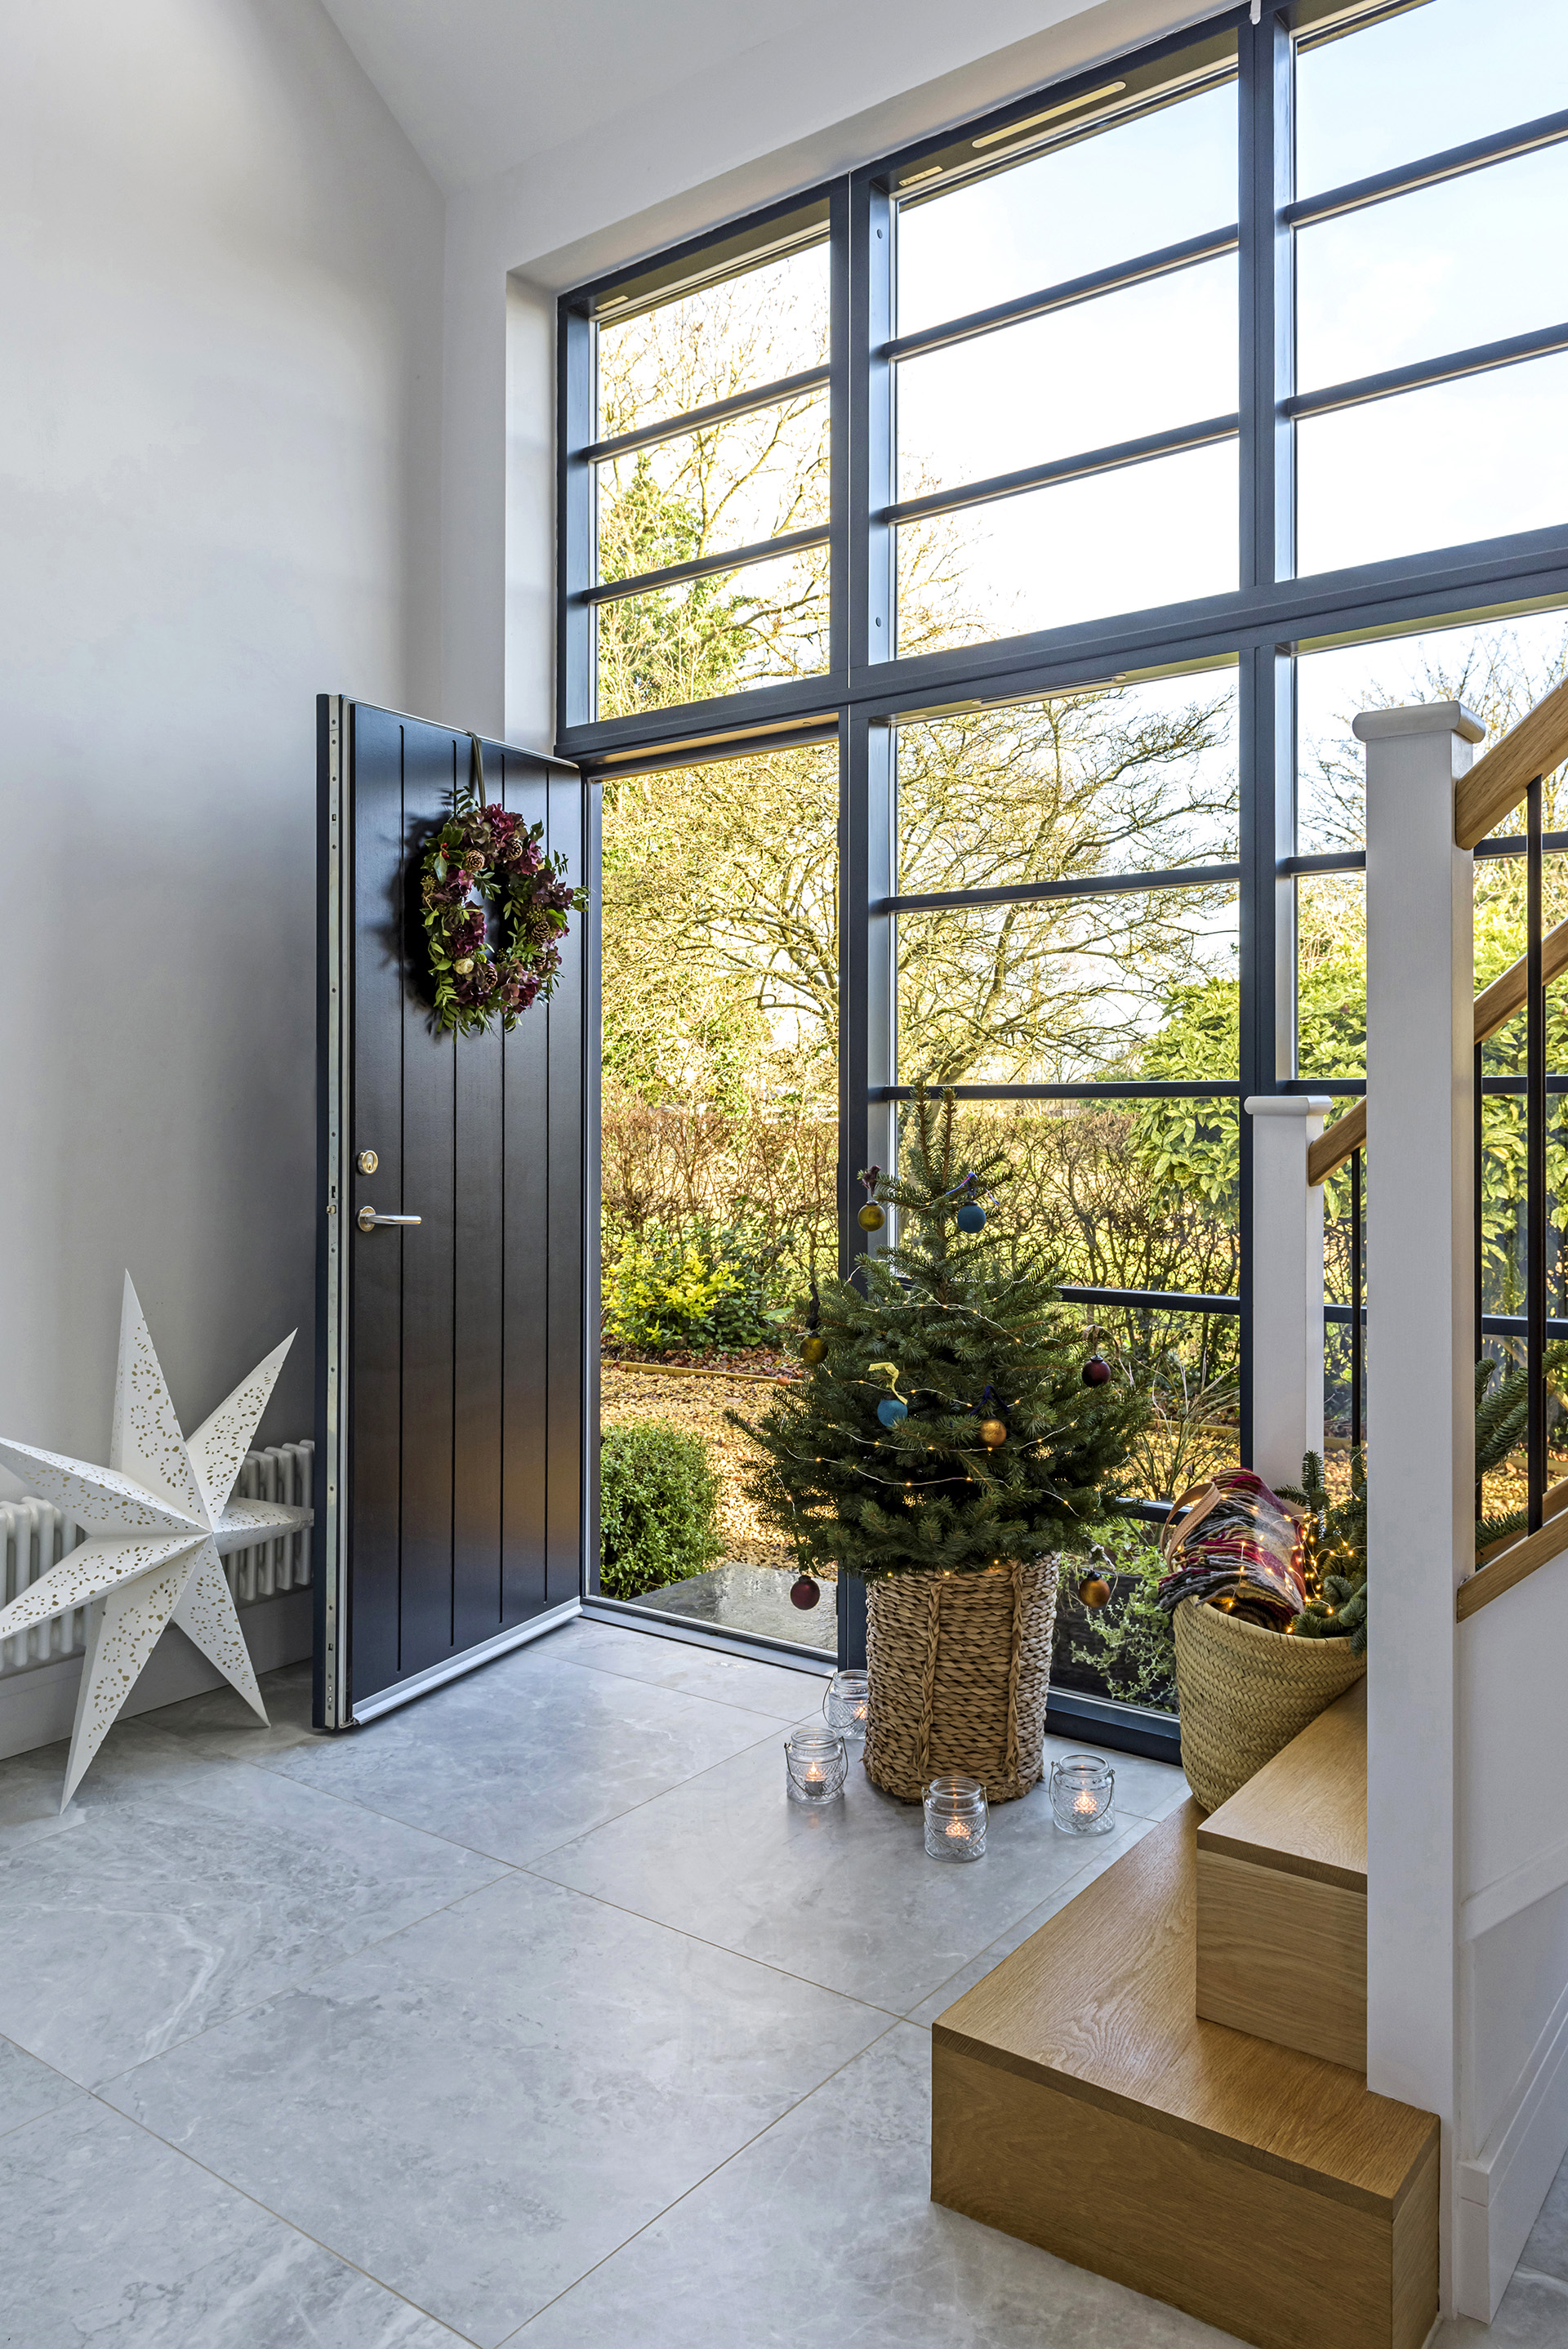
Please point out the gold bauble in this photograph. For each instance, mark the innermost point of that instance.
(871, 1218)
(1094, 1590)
(814, 1350)
(992, 1433)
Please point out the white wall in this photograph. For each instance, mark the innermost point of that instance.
(220, 284)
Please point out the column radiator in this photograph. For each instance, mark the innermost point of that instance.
(34, 1534)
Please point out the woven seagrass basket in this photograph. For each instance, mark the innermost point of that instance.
(1245, 1692)
(959, 1665)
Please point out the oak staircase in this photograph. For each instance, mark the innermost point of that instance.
(1165, 2085)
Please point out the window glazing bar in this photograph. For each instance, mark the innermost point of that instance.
(1151, 1091)
(1066, 469)
(1479, 360)
(694, 420)
(1450, 163)
(1095, 885)
(1167, 1300)
(701, 566)
(1164, 263)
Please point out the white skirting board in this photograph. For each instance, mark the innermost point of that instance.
(1500, 2193)
(38, 1707)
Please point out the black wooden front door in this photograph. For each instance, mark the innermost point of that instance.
(450, 1351)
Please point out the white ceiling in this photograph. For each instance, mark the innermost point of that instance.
(480, 85)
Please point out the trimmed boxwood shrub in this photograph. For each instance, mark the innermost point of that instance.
(658, 1499)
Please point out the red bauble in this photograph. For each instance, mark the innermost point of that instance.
(1095, 1371)
(804, 1593)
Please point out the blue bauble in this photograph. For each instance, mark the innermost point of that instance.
(971, 1216)
(891, 1411)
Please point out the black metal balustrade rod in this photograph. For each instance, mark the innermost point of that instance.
(1535, 1164)
(1354, 860)
(1357, 1317)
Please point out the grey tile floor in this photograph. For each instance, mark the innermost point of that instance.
(532, 2013)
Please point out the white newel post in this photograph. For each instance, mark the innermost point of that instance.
(1288, 1285)
(1421, 1423)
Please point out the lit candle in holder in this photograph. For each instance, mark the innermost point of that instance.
(847, 1705)
(1083, 1794)
(955, 1818)
(815, 1766)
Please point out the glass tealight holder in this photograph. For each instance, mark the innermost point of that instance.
(955, 1818)
(847, 1705)
(815, 1765)
(1083, 1794)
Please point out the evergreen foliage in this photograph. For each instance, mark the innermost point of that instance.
(973, 1329)
(658, 1498)
(1335, 1545)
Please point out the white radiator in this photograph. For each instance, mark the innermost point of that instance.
(34, 1534)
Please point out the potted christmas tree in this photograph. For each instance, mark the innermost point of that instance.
(948, 1444)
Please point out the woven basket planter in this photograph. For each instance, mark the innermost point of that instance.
(1245, 1692)
(959, 1665)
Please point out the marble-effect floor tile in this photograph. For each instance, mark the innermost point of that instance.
(823, 2232)
(119, 2240)
(29, 2089)
(514, 2087)
(187, 1891)
(777, 1690)
(844, 1897)
(527, 1753)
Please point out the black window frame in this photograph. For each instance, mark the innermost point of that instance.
(1262, 624)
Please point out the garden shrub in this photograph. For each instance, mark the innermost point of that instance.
(689, 1294)
(658, 1500)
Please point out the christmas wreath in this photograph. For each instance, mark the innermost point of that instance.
(481, 855)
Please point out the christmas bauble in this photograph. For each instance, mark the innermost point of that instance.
(971, 1216)
(993, 1431)
(870, 1218)
(1094, 1590)
(814, 1350)
(804, 1593)
(1095, 1371)
(890, 1411)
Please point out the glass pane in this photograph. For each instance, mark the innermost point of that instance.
(1331, 978)
(1128, 188)
(1126, 778)
(1467, 262)
(1152, 533)
(735, 485)
(1133, 363)
(1431, 77)
(723, 339)
(720, 634)
(718, 1146)
(1138, 985)
(1461, 461)
(1499, 669)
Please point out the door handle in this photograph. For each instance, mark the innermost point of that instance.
(368, 1219)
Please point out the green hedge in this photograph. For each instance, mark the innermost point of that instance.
(658, 1499)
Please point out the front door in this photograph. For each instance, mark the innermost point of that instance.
(450, 1348)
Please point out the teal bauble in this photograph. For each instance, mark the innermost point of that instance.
(971, 1216)
(890, 1411)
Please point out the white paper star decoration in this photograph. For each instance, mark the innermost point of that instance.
(157, 1518)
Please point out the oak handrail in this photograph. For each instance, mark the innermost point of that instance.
(1510, 1568)
(1494, 1006)
(1553, 1501)
(1501, 777)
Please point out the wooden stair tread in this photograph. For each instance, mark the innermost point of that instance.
(1306, 1811)
(1099, 2004)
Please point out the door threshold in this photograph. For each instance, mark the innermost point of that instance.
(436, 1675)
(756, 1649)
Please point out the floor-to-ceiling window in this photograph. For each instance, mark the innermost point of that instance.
(968, 572)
